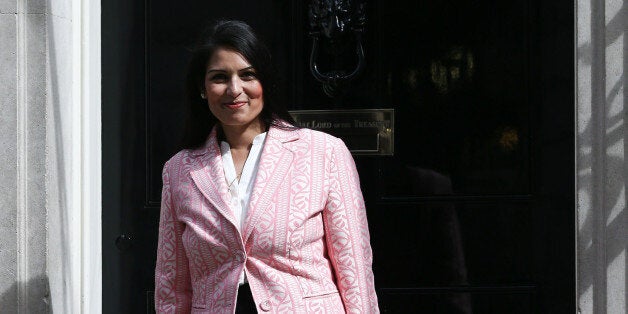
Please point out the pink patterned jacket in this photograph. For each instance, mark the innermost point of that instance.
(305, 245)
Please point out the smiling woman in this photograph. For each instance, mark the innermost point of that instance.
(257, 214)
(233, 92)
(229, 57)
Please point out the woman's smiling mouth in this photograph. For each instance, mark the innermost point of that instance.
(235, 104)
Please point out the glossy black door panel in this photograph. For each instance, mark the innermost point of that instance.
(474, 212)
(454, 244)
(519, 300)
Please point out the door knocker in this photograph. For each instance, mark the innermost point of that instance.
(335, 21)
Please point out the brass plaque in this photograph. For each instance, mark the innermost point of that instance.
(364, 131)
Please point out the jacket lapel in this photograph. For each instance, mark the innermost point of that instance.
(208, 175)
(274, 165)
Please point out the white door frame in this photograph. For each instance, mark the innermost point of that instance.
(74, 154)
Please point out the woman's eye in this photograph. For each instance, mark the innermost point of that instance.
(218, 77)
(249, 75)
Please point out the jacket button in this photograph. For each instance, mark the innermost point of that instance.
(265, 306)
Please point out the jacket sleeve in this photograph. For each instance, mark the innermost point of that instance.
(172, 280)
(347, 234)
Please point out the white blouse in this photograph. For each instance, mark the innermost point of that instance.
(241, 189)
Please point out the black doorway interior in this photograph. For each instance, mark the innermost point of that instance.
(474, 213)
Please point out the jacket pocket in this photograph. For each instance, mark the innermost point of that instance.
(318, 295)
(330, 301)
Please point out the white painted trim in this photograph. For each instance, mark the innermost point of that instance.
(92, 153)
(87, 149)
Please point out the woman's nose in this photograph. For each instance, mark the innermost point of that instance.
(234, 87)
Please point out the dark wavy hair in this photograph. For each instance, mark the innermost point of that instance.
(238, 36)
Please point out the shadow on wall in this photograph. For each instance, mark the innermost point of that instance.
(602, 176)
(59, 138)
(35, 303)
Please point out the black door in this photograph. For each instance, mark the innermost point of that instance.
(474, 211)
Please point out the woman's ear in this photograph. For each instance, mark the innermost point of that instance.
(201, 88)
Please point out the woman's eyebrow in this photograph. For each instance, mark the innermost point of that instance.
(221, 70)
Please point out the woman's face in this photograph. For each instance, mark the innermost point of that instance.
(233, 92)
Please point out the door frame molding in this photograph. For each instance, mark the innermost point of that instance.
(91, 149)
(81, 149)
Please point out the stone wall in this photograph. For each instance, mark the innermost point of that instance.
(602, 172)
(23, 248)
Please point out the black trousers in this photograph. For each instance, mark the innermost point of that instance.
(245, 303)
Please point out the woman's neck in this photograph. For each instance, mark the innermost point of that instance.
(241, 137)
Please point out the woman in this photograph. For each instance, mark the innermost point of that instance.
(257, 215)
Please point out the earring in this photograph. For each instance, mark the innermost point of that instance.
(203, 95)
